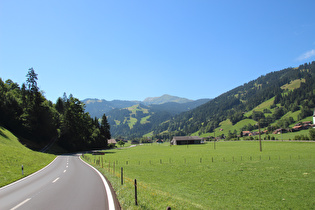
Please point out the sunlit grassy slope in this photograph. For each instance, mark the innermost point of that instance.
(13, 155)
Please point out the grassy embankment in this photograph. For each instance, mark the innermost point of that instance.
(234, 175)
(13, 155)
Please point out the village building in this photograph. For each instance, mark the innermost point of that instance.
(112, 141)
(184, 140)
(246, 133)
(280, 131)
(302, 126)
(159, 141)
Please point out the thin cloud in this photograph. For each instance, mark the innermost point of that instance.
(306, 55)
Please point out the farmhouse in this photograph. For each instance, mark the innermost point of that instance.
(159, 141)
(183, 140)
(246, 133)
(279, 131)
(111, 141)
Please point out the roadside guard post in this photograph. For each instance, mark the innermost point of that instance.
(22, 170)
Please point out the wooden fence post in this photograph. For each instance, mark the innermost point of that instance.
(136, 197)
(122, 175)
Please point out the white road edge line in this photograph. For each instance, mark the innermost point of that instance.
(110, 198)
(55, 180)
(28, 175)
(17, 206)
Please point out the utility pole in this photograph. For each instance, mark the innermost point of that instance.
(215, 139)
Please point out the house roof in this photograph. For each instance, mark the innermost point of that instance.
(185, 138)
(246, 132)
(297, 127)
(307, 122)
(111, 141)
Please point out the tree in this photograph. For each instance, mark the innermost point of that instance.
(105, 127)
(312, 133)
(257, 115)
(60, 105)
(31, 81)
(121, 143)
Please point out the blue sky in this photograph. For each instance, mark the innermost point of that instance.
(131, 50)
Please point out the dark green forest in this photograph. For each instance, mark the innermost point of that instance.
(233, 104)
(26, 112)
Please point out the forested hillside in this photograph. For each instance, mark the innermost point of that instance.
(235, 105)
(26, 112)
(138, 120)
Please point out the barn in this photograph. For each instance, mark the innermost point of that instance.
(111, 141)
(184, 140)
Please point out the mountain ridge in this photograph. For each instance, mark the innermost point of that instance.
(166, 98)
(97, 107)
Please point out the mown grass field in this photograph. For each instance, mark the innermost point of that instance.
(235, 175)
(13, 155)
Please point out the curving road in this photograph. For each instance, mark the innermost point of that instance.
(66, 183)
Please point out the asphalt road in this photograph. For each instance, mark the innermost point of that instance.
(66, 183)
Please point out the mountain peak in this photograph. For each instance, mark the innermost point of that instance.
(165, 99)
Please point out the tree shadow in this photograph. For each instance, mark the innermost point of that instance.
(104, 152)
(2, 134)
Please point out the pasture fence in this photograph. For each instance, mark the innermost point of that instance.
(116, 169)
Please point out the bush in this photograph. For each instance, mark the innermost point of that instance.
(312, 133)
(111, 146)
(301, 137)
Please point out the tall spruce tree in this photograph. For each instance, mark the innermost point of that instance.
(105, 127)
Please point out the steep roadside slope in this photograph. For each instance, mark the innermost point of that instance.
(14, 155)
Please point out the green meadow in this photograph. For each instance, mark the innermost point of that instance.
(13, 155)
(227, 175)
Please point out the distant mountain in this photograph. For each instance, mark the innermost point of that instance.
(97, 107)
(176, 108)
(138, 120)
(165, 99)
(172, 104)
